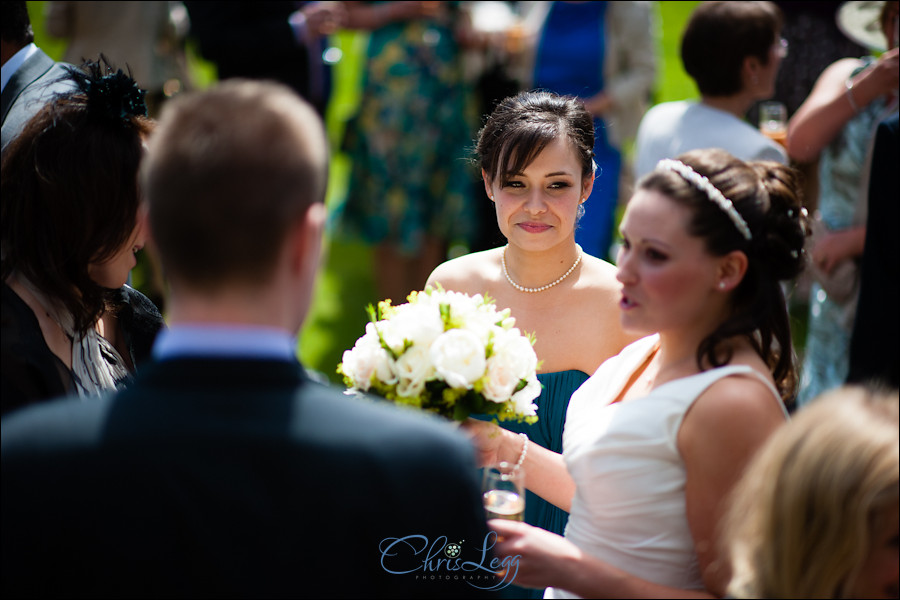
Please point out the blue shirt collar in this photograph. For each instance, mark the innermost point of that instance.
(225, 341)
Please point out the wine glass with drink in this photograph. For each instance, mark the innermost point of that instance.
(773, 121)
(503, 490)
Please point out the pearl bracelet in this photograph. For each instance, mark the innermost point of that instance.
(849, 92)
(521, 460)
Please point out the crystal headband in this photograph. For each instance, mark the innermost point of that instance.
(704, 185)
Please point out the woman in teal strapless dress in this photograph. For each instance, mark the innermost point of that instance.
(535, 153)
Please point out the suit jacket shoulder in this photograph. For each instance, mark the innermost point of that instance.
(36, 82)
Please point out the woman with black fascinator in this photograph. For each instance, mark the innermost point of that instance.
(71, 224)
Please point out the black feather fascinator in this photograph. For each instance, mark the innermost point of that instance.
(111, 94)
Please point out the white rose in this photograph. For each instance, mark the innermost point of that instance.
(514, 349)
(523, 400)
(367, 359)
(417, 323)
(501, 379)
(391, 332)
(414, 369)
(458, 358)
(464, 308)
(481, 323)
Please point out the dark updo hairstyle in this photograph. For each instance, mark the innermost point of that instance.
(767, 196)
(521, 126)
(720, 35)
(70, 188)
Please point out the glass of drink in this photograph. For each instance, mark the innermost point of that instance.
(504, 492)
(514, 41)
(773, 121)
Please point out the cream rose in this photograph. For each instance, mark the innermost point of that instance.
(414, 369)
(458, 358)
(368, 360)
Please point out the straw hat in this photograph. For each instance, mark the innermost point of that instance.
(859, 21)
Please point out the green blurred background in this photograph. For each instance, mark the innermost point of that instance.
(345, 285)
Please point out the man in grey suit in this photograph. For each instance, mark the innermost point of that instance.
(224, 470)
(30, 77)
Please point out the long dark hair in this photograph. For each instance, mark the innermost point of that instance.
(70, 188)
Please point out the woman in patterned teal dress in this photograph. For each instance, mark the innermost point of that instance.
(836, 124)
(535, 153)
(408, 188)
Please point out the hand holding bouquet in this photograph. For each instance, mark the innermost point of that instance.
(447, 353)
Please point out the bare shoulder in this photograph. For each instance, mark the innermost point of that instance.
(736, 410)
(471, 273)
(737, 398)
(599, 274)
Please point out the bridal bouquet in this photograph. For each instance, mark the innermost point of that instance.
(447, 353)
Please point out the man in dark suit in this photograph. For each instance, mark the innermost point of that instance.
(874, 355)
(30, 77)
(224, 471)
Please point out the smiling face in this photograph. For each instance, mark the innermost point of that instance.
(538, 208)
(112, 273)
(669, 280)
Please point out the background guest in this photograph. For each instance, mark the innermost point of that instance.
(836, 125)
(817, 514)
(30, 77)
(409, 188)
(280, 40)
(732, 51)
(71, 222)
(147, 37)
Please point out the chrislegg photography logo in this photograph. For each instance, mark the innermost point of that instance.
(444, 559)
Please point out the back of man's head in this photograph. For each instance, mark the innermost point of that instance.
(15, 27)
(229, 174)
(720, 35)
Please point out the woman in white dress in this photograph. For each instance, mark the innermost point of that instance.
(657, 437)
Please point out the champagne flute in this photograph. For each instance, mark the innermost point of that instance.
(773, 121)
(503, 488)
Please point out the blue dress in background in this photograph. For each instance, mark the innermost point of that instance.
(842, 163)
(569, 61)
(409, 179)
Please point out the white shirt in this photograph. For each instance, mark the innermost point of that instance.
(672, 128)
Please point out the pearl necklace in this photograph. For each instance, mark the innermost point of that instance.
(522, 288)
